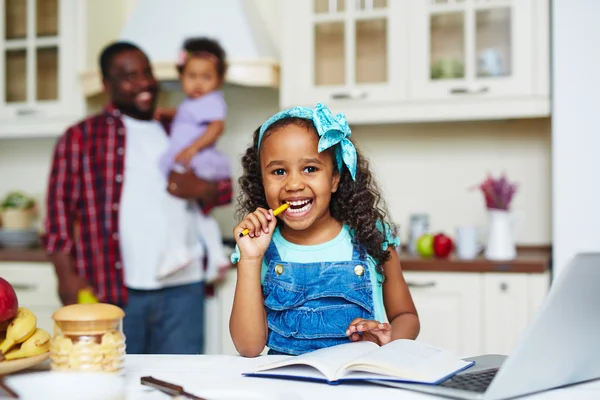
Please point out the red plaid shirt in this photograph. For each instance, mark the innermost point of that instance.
(85, 188)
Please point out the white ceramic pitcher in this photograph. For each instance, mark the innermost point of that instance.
(501, 231)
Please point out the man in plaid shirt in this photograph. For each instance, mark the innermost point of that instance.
(105, 225)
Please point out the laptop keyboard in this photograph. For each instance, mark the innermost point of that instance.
(474, 382)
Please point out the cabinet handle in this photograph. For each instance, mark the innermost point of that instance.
(349, 96)
(26, 111)
(504, 287)
(24, 286)
(420, 285)
(482, 90)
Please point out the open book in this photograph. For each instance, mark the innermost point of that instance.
(402, 360)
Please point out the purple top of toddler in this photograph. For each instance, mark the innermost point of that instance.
(194, 115)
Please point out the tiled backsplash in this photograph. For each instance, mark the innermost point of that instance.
(421, 167)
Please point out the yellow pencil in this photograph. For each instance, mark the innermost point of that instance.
(276, 212)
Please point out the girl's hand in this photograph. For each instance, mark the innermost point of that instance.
(373, 331)
(260, 224)
(185, 156)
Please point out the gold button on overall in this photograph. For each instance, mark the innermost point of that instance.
(279, 269)
(359, 270)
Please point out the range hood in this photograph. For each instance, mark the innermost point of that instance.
(159, 28)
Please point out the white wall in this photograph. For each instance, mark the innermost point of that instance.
(575, 136)
(431, 168)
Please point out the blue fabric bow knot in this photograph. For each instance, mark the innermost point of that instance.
(331, 129)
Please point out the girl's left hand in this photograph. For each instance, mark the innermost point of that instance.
(185, 156)
(373, 331)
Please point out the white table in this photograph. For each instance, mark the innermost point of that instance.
(218, 377)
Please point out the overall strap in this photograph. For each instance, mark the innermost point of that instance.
(272, 254)
(358, 251)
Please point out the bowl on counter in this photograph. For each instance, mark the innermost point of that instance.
(19, 239)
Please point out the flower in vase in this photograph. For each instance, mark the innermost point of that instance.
(498, 193)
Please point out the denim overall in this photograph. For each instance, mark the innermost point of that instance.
(310, 305)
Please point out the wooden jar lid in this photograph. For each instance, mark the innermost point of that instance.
(80, 319)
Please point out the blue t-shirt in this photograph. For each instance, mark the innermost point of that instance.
(337, 249)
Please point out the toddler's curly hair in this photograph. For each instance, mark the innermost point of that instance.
(207, 45)
(357, 204)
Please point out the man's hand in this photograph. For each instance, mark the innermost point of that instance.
(69, 287)
(168, 113)
(188, 186)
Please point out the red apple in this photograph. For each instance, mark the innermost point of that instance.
(442, 245)
(8, 301)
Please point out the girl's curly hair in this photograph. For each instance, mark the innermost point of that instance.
(357, 204)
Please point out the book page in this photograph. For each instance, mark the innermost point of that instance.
(327, 361)
(408, 360)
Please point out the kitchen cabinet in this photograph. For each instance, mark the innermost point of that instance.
(510, 302)
(343, 52)
(36, 288)
(475, 313)
(40, 57)
(417, 60)
(449, 309)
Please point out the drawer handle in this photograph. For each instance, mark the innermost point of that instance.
(24, 286)
(349, 96)
(26, 111)
(420, 285)
(482, 90)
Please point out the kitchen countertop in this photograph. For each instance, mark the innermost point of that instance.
(35, 254)
(530, 259)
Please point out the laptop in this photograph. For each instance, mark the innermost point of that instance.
(559, 347)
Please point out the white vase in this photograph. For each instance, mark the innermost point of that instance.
(500, 244)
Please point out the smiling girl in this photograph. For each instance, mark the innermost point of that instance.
(325, 272)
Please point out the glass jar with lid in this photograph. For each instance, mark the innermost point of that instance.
(88, 338)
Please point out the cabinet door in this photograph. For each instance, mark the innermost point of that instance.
(466, 48)
(344, 51)
(506, 310)
(449, 307)
(36, 57)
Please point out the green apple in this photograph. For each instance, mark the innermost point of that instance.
(425, 245)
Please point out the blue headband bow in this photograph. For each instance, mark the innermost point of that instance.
(332, 130)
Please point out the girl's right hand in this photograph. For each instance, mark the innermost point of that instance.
(261, 225)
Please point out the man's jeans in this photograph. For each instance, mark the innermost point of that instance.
(165, 321)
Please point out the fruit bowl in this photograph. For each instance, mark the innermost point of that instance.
(8, 367)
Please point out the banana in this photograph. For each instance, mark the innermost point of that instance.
(20, 329)
(38, 343)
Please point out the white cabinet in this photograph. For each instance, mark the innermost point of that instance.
(40, 51)
(470, 48)
(510, 301)
(36, 288)
(343, 52)
(449, 307)
(417, 60)
(474, 313)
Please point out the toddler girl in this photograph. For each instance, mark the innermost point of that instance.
(326, 272)
(198, 123)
